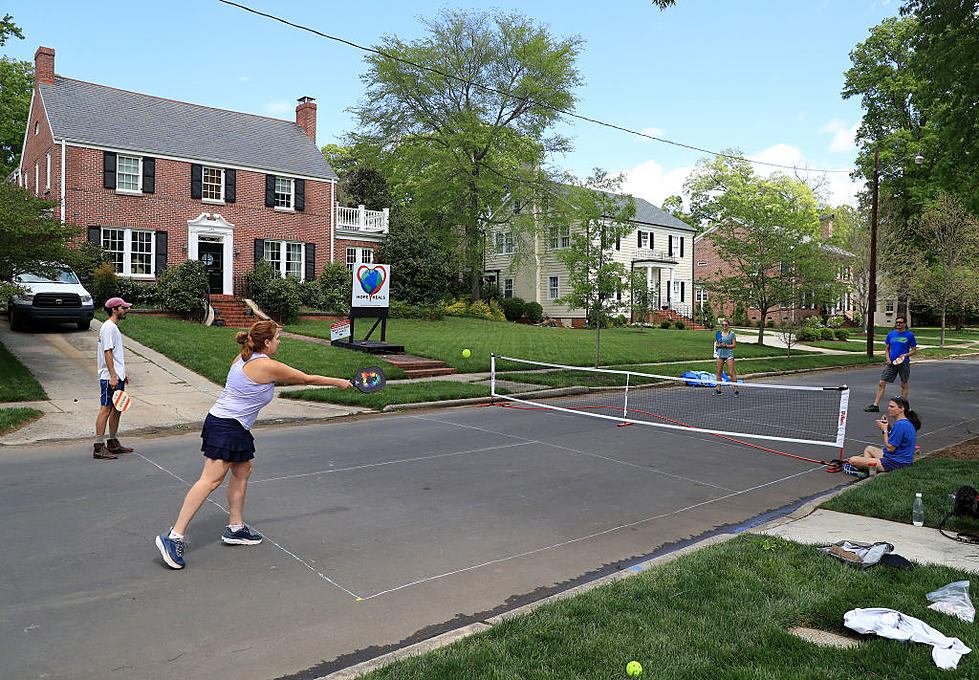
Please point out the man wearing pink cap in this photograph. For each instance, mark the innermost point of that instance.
(112, 377)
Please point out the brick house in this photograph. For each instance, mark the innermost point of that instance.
(156, 181)
(710, 266)
(660, 247)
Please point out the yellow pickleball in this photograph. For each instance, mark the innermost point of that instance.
(466, 353)
(633, 668)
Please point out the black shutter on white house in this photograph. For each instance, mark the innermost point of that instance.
(161, 252)
(259, 249)
(196, 180)
(639, 244)
(683, 284)
(95, 235)
(230, 190)
(109, 169)
(149, 175)
(669, 241)
(269, 191)
(310, 261)
(300, 189)
(652, 240)
(681, 248)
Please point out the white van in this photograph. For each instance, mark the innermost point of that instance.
(61, 299)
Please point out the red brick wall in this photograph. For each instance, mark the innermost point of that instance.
(35, 149)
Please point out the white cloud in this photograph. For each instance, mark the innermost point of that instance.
(649, 181)
(277, 108)
(843, 136)
(652, 132)
(837, 187)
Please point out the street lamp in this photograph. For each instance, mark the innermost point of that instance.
(872, 288)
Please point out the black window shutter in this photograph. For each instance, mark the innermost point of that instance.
(95, 235)
(149, 175)
(300, 186)
(269, 191)
(259, 249)
(683, 284)
(230, 189)
(310, 261)
(669, 240)
(196, 180)
(639, 242)
(618, 243)
(161, 252)
(109, 169)
(652, 241)
(681, 246)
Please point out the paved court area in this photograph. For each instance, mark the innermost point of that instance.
(380, 531)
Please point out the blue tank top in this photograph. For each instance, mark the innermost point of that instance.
(243, 398)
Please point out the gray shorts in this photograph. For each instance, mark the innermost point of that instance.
(891, 371)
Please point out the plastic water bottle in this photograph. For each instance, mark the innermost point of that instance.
(872, 469)
(918, 511)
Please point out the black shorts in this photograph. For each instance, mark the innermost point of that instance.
(226, 439)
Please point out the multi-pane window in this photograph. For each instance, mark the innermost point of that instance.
(212, 184)
(553, 288)
(504, 243)
(643, 239)
(127, 173)
(889, 306)
(701, 296)
(508, 288)
(357, 256)
(129, 250)
(285, 256)
(559, 237)
(283, 192)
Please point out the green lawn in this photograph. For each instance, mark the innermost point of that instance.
(720, 612)
(16, 382)
(445, 340)
(889, 496)
(846, 345)
(405, 393)
(13, 418)
(209, 350)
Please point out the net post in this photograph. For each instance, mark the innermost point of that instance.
(625, 402)
(844, 407)
(492, 376)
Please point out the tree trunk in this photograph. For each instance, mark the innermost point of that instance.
(473, 237)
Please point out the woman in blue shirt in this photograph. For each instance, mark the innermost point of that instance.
(725, 340)
(899, 439)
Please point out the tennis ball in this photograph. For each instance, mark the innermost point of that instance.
(466, 353)
(633, 668)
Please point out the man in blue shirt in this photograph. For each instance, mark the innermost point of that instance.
(901, 345)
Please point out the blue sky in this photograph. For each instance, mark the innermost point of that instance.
(763, 76)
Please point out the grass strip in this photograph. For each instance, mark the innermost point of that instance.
(890, 496)
(845, 345)
(720, 612)
(209, 350)
(14, 418)
(405, 393)
(16, 382)
(444, 340)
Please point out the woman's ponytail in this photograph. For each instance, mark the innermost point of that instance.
(256, 337)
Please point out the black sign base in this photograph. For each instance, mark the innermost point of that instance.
(369, 346)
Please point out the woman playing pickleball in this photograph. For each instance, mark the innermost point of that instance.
(725, 341)
(900, 437)
(228, 443)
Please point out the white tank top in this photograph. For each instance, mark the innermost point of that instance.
(243, 398)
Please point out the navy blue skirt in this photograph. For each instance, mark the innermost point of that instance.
(226, 439)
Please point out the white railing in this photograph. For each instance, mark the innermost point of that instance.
(361, 219)
(656, 256)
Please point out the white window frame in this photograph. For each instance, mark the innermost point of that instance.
(281, 263)
(139, 174)
(37, 178)
(508, 288)
(126, 266)
(559, 238)
(644, 239)
(889, 306)
(503, 243)
(553, 287)
(702, 263)
(37, 127)
(291, 207)
(356, 256)
(701, 295)
(204, 185)
(47, 160)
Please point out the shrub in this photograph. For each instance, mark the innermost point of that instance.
(513, 308)
(457, 308)
(812, 322)
(534, 312)
(335, 281)
(834, 321)
(842, 334)
(137, 292)
(665, 323)
(403, 310)
(770, 323)
(103, 284)
(281, 299)
(826, 334)
(740, 316)
(258, 279)
(680, 324)
(311, 295)
(620, 321)
(807, 334)
(181, 289)
(496, 313)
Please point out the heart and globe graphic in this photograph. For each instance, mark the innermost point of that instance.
(371, 279)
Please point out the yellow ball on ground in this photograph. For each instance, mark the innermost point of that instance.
(633, 668)
(466, 353)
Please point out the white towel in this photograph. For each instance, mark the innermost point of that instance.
(892, 624)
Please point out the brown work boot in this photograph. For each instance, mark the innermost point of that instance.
(115, 447)
(102, 453)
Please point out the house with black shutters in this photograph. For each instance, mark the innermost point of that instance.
(157, 181)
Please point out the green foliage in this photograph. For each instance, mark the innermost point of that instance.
(826, 334)
(258, 280)
(403, 310)
(680, 324)
(457, 308)
(8, 28)
(16, 87)
(808, 334)
(137, 292)
(367, 186)
(281, 299)
(87, 258)
(335, 283)
(181, 289)
(665, 323)
(834, 321)
(103, 284)
(513, 308)
(841, 334)
(740, 317)
(311, 295)
(420, 262)
(534, 312)
(481, 309)
(770, 323)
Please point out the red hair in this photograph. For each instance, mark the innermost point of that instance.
(254, 340)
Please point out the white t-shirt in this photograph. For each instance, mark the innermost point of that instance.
(111, 339)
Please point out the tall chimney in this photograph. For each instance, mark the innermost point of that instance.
(306, 116)
(44, 65)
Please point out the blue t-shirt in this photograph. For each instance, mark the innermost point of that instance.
(902, 437)
(900, 342)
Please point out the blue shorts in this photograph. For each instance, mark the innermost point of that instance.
(891, 465)
(226, 439)
(725, 353)
(106, 391)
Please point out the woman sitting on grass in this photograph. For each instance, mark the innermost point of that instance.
(899, 439)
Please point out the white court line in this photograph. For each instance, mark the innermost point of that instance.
(287, 552)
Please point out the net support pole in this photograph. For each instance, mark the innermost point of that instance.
(625, 402)
(492, 377)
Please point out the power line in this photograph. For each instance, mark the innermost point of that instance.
(504, 93)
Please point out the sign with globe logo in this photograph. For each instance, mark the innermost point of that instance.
(370, 285)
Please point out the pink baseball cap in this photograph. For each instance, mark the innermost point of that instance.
(111, 303)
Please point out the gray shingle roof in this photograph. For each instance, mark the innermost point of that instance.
(104, 116)
(648, 213)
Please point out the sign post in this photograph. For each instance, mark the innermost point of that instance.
(369, 300)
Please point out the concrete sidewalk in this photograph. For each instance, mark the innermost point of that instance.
(165, 394)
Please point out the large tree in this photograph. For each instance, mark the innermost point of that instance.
(459, 120)
(16, 86)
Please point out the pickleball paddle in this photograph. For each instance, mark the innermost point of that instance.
(369, 379)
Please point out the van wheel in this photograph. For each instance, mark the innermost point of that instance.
(84, 325)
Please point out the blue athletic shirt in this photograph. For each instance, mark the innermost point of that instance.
(900, 342)
(902, 437)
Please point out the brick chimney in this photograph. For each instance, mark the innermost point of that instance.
(44, 65)
(306, 116)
